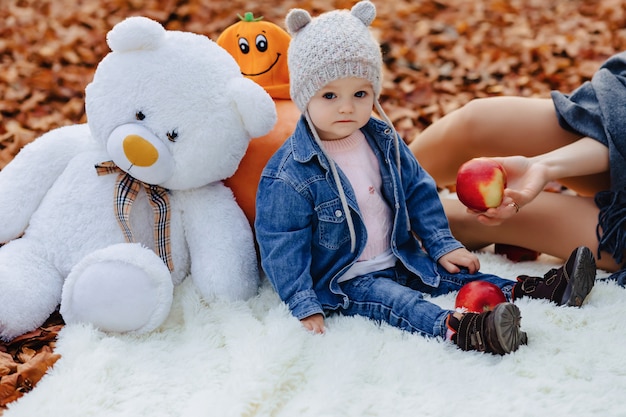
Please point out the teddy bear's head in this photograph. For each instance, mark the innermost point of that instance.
(172, 108)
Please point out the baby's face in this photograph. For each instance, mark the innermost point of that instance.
(341, 107)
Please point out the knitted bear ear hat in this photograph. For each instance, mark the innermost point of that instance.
(336, 44)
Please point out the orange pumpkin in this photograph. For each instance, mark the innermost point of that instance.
(260, 49)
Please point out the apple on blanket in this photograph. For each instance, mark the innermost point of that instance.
(105, 218)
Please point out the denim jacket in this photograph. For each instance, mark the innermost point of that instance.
(302, 231)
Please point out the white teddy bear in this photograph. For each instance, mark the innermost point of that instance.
(105, 218)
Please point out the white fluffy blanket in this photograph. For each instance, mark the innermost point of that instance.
(254, 359)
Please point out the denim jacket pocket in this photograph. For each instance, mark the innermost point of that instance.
(332, 227)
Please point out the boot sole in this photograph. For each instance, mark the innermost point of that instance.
(507, 319)
(582, 279)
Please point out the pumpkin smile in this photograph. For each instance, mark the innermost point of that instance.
(267, 70)
(255, 43)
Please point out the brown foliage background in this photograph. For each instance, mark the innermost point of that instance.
(438, 56)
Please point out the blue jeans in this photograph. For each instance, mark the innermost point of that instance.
(396, 296)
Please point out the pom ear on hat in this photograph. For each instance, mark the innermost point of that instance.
(365, 11)
(297, 19)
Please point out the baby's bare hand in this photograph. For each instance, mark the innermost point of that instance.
(452, 261)
(314, 323)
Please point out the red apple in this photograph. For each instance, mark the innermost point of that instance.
(479, 296)
(480, 183)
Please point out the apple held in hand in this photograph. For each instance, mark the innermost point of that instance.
(479, 296)
(480, 183)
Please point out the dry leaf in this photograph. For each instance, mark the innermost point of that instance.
(7, 364)
(25, 359)
(8, 389)
(35, 368)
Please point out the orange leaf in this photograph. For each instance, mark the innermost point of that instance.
(8, 389)
(7, 364)
(32, 371)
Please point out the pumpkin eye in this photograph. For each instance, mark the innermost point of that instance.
(139, 115)
(244, 46)
(261, 43)
(172, 135)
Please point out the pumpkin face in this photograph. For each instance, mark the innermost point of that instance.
(260, 49)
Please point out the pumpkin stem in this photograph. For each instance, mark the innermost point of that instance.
(249, 17)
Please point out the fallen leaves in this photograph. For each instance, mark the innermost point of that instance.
(26, 359)
(455, 51)
(24, 377)
(439, 54)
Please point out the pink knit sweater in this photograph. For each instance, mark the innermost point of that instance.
(357, 160)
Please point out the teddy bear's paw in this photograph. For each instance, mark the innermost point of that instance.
(30, 287)
(122, 288)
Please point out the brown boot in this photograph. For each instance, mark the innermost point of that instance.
(497, 331)
(568, 285)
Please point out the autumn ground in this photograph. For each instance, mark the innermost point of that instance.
(438, 54)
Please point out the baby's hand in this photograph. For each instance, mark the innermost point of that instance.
(461, 257)
(314, 323)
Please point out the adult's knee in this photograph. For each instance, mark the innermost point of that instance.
(473, 119)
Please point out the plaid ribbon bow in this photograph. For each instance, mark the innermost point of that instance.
(126, 190)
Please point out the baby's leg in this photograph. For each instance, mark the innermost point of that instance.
(379, 297)
(495, 126)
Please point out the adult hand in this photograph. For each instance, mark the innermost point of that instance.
(526, 178)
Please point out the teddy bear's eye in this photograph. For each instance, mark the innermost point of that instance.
(172, 135)
(140, 116)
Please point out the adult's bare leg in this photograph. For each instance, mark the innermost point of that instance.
(553, 223)
(495, 126)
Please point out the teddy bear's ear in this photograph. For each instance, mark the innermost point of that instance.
(135, 33)
(255, 106)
